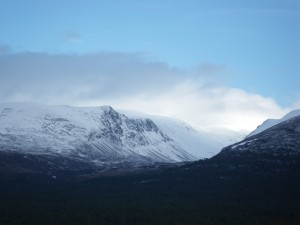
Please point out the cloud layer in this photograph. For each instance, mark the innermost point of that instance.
(130, 81)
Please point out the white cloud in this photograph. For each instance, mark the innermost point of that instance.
(215, 106)
(200, 96)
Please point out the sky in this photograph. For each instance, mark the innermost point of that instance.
(228, 63)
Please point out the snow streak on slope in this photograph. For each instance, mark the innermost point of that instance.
(272, 122)
(101, 135)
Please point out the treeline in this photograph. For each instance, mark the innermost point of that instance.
(192, 195)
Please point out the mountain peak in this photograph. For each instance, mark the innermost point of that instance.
(107, 108)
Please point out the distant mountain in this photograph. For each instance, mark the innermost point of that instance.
(64, 137)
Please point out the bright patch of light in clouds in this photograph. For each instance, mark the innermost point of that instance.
(217, 106)
(199, 96)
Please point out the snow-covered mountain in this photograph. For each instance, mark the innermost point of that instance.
(275, 143)
(272, 122)
(269, 153)
(101, 135)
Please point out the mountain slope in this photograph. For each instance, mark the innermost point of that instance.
(102, 136)
(276, 148)
(200, 142)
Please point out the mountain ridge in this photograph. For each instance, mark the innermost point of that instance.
(276, 149)
(272, 122)
(102, 136)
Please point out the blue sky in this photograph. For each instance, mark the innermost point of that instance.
(252, 46)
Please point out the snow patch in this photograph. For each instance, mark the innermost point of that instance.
(243, 143)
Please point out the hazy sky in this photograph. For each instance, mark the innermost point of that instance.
(232, 63)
